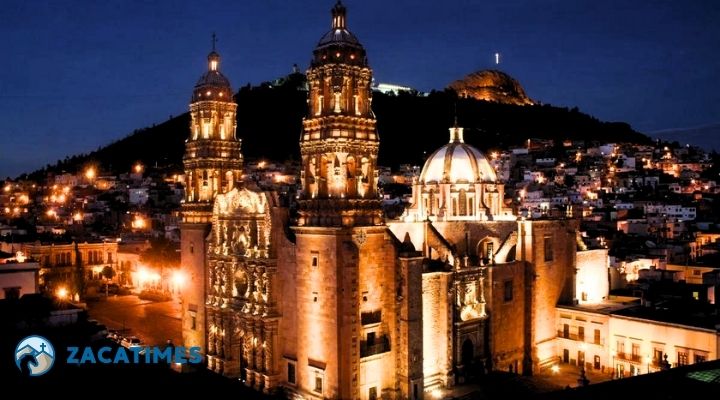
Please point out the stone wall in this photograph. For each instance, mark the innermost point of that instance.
(192, 256)
(507, 320)
(437, 329)
(592, 281)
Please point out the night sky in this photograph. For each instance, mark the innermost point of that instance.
(77, 75)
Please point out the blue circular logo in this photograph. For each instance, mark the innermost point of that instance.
(34, 355)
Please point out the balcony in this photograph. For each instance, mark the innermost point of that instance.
(636, 358)
(571, 336)
(379, 346)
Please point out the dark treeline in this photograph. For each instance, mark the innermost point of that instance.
(410, 127)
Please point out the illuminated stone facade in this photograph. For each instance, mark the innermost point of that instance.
(340, 303)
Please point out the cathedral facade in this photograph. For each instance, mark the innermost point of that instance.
(339, 302)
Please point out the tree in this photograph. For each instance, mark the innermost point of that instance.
(108, 272)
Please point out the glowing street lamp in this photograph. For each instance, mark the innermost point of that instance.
(178, 279)
(90, 173)
(138, 168)
(61, 293)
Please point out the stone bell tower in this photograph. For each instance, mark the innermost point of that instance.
(213, 165)
(339, 144)
(345, 258)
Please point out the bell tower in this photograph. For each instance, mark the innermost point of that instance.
(339, 143)
(213, 165)
(348, 332)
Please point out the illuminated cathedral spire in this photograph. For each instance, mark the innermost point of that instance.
(213, 162)
(339, 144)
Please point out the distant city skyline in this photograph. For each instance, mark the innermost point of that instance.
(79, 75)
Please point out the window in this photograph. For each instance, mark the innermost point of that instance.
(490, 250)
(635, 352)
(315, 259)
(584, 296)
(548, 247)
(291, 373)
(318, 384)
(508, 292)
(621, 347)
(109, 258)
(581, 358)
(596, 338)
(371, 338)
(566, 331)
(700, 358)
(193, 321)
(372, 393)
(596, 362)
(696, 272)
(581, 333)
(657, 355)
(13, 293)
(682, 358)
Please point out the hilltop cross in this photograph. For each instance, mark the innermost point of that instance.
(42, 347)
(214, 40)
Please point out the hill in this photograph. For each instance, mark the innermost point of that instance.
(707, 137)
(270, 122)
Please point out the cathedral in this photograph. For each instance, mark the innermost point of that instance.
(339, 302)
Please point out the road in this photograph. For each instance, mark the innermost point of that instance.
(152, 322)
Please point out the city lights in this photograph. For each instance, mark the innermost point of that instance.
(138, 222)
(90, 173)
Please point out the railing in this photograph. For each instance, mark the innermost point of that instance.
(571, 336)
(381, 345)
(630, 357)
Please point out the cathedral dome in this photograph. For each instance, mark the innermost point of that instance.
(491, 85)
(457, 162)
(213, 85)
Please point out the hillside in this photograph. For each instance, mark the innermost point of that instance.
(270, 122)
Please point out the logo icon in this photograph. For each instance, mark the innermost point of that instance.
(34, 355)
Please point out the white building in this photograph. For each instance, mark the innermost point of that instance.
(138, 196)
(18, 277)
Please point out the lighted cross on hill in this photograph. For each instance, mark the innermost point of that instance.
(42, 347)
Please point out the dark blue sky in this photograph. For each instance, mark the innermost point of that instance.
(78, 74)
